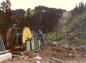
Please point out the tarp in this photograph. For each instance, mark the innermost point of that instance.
(2, 47)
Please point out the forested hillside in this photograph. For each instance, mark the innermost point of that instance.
(44, 18)
(71, 30)
(76, 26)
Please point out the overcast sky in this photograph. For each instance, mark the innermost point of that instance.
(64, 4)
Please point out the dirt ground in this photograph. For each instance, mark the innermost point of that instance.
(51, 54)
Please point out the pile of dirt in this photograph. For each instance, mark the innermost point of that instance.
(58, 52)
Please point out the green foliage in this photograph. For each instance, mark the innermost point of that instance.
(79, 9)
(77, 28)
(53, 36)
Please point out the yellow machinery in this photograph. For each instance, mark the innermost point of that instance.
(29, 39)
(23, 40)
(26, 35)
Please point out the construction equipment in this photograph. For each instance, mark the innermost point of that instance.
(24, 41)
(4, 54)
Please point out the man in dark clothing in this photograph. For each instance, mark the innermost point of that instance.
(41, 37)
(15, 33)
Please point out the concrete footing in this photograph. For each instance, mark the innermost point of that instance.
(5, 56)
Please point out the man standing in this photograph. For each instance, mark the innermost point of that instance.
(41, 37)
(15, 33)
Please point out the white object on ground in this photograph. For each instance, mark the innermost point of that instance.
(38, 58)
(70, 54)
(5, 56)
(54, 43)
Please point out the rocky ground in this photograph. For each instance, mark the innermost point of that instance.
(51, 54)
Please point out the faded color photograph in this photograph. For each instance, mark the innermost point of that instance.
(42, 31)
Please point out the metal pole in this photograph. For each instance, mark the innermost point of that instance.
(65, 37)
(40, 19)
(64, 30)
(57, 35)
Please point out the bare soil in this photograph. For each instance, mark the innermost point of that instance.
(51, 54)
